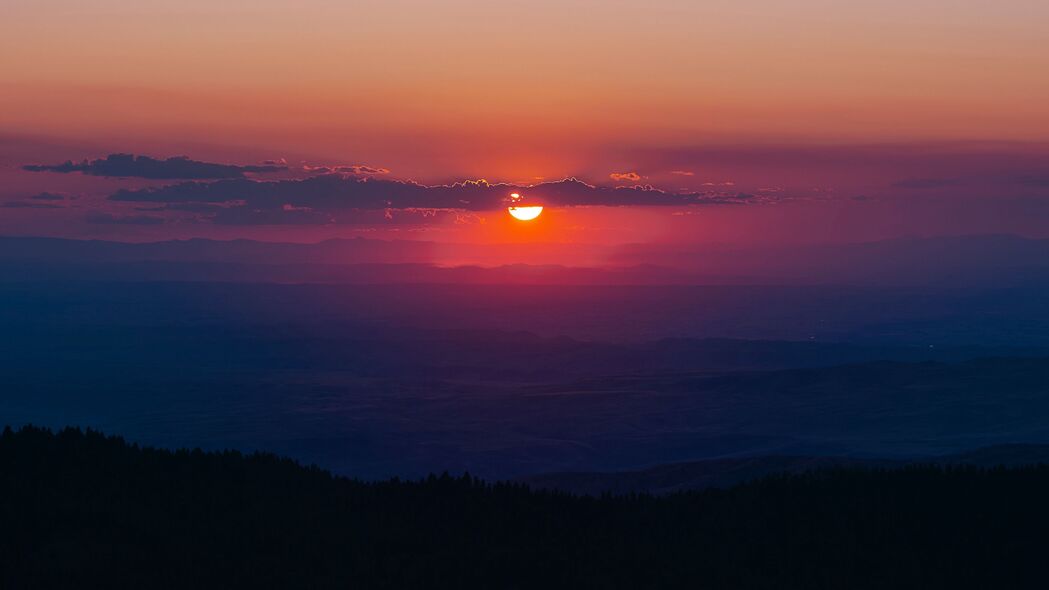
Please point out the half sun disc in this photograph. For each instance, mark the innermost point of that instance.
(525, 213)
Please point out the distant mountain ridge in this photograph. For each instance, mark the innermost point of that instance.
(727, 472)
(955, 260)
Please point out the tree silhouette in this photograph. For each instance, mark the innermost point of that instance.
(78, 508)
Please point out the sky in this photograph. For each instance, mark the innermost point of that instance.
(766, 120)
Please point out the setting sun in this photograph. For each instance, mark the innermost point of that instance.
(525, 213)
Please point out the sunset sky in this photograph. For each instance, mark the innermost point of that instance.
(759, 121)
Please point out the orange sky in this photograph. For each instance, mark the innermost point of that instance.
(824, 120)
(515, 90)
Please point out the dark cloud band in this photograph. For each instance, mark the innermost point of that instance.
(334, 198)
(131, 166)
(335, 192)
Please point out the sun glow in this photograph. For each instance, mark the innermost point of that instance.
(525, 213)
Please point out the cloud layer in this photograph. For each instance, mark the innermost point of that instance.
(332, 198)
(229, 194)
(131, 166)
(336, 192)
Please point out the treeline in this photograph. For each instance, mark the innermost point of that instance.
(79, 509)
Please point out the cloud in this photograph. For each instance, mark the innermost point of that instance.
(354, 194)
(345, 199)
(25, 205)
(243, 215)
(48, 197)
(356, 170)
(190, 207)
(363, 170)
(108, 219)
(683, 172)
(335, 193)
(625, 176)
(926, 183)
(131, 166)
(1033, 177)
(960, 166)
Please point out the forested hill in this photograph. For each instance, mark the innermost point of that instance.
(81, 510)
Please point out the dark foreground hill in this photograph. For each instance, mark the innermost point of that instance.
(83, 510)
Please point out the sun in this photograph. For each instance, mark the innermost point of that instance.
(525, 213)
